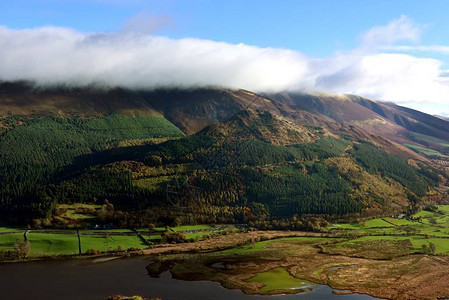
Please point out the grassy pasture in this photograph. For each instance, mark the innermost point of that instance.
(7, 241)
(192, 227)
(109, 243)
(377, 223)
(279, 279)
(105, 231)
(400, 222)
(156, 238)
(11, 229)
(44, 244)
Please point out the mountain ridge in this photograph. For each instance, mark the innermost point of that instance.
(210, 154)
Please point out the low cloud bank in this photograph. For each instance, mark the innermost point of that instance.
(62, 56)
(52, 55)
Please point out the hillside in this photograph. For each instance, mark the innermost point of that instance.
(246, 157)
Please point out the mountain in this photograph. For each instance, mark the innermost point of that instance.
(214, 155)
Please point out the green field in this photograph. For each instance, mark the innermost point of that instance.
(44, 244)
(192, 227)
(400, 222)
(426, 232)
(377, 223)
(156, 238)
(279, 279)
(110, 243)
(444, 208)
(346, 226)
(7, 241)
(107, 230)
(11, 229)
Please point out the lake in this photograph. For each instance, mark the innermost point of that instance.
(82, 279)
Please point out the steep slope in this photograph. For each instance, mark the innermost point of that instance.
(343, 110)
(24, 99)
(232, 172)
(192, 110)
(262, 125)
(251, 159)
(410, 119)
(399, 126)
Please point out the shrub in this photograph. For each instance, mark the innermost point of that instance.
(173, 237)
(93, 251)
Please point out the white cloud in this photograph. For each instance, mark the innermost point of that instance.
(397, 77)
(52, 55)
(402, 29)
(433, 48)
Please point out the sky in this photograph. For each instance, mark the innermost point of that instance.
(387, 50)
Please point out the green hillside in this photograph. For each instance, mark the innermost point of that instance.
(263, 160)
(34, 154)
(224, 179)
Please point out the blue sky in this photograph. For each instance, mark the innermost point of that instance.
(316, 28)
(321, 33)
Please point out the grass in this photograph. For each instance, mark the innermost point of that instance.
(345, 226)
(105, 231)
(7, 241)
(377, 223)
(192, 227)
(443, 208)
(441, 245)
(265, 245)
(51, 244)
(430, 139)
(11, 229)
(400, 222)
(153, 238)
(45, 244)
(77, 212)
(379, 235)
(109, 243)
(423, 150)
(424, 214)
(152, 183)
(279, 279)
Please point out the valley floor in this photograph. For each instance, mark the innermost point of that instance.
(390, 257)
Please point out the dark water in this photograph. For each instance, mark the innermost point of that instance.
(79, 279)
